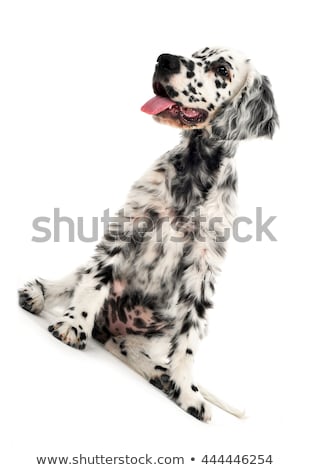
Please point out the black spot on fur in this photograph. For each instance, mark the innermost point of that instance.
(193, 411)
(172, 93)
(84, 314)
(192, 89)
(104, 274)
(194, 388)
(75, 330)
(173, 346)
(199, 414)
(189, 64)
(186, 326)
(122, 315)
(189, 351)
(160, 368)
(139, 323)
(206, 67)
(176, 393)
(200, 309)
(113, 251)
(101, 333)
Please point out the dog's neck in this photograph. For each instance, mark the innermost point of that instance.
(201, 164)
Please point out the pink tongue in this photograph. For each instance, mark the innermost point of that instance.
(156, 105)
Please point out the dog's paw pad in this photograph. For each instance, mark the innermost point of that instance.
(31, 297)
(69, 334)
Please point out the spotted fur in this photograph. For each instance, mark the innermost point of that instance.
(147, 290)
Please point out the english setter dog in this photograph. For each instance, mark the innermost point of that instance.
(147, 290)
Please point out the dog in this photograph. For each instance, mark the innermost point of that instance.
(146, 292)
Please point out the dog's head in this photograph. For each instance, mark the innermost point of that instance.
(216, 89)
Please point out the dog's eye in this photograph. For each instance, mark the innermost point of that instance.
(221, 70)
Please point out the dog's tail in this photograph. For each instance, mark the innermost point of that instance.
(221, 404)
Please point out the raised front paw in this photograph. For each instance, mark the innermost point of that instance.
(70, 334)
(31, 297)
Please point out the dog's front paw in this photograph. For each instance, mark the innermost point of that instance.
(69, 334)
(31, 297)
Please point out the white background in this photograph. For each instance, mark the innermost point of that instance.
(73, 77)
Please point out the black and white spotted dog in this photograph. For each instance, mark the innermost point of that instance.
(146, 292)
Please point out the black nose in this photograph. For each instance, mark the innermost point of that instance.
(168, 63)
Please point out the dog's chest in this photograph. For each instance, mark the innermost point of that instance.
(178, 258)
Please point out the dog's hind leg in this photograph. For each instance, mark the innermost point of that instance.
(153, 363)
(140, 354)
(79, 296)
(156, 370)
(43, 294)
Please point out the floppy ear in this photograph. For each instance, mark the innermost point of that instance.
(250, 114)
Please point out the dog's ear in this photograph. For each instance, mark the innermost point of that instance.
(251, 113)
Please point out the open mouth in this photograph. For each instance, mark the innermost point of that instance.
(162, 105)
